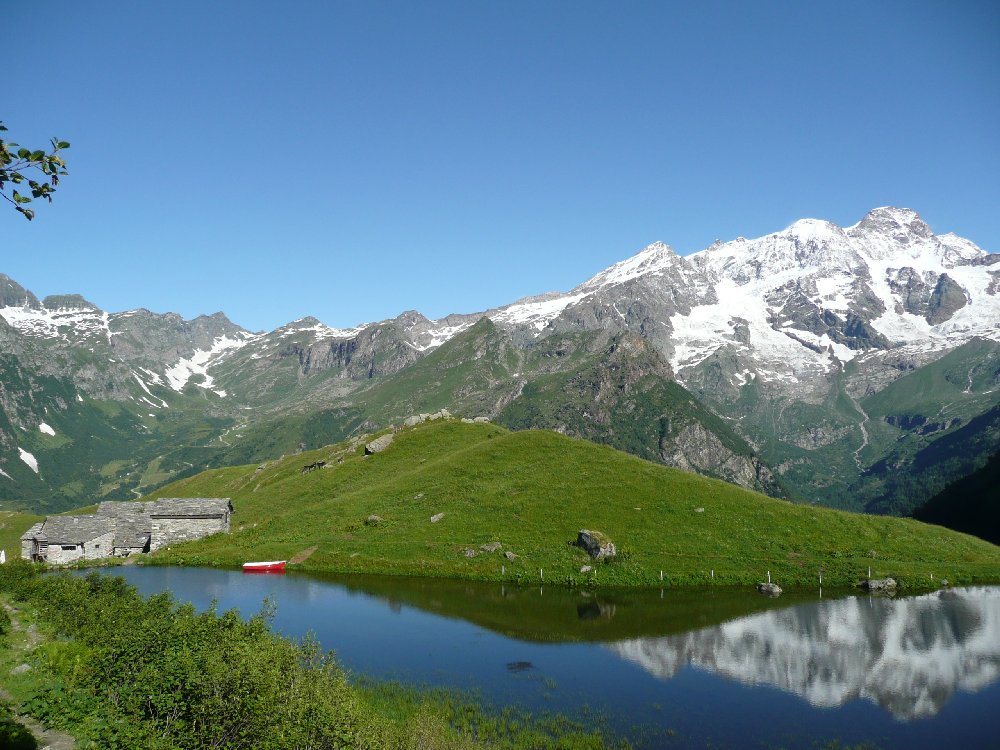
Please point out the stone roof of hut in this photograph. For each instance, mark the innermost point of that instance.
(133, 533)
(35, 532)
(74, 529)
(189, 507)
(121, 509)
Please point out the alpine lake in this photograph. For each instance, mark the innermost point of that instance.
(671, 668)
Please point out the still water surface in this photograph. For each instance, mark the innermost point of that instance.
(703, 668)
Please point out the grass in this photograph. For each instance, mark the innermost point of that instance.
(532, 491)
(12, 525)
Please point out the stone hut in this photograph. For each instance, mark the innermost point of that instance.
(176, 520)
(65, 539)
(124, 528)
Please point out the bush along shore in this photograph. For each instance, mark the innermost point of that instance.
(91, 657)
(476, 501)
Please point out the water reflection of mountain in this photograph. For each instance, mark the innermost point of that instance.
(907, 655)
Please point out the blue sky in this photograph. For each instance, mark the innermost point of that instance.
(351, 160)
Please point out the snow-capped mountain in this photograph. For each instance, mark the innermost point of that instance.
(841, 355)
(805, 300)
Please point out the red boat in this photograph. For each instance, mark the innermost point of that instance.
(271, 566)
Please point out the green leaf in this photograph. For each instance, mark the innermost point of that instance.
(62, 144)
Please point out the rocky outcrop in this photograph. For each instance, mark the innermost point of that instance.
(695, 448)
(769, 589)
(379, 444)
(947, 298)
(596, 544)
(879, 584)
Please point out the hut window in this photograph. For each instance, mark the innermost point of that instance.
(69, 546)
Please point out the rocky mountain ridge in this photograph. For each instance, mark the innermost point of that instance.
(791, 341)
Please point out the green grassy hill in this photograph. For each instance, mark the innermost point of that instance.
(532, 491)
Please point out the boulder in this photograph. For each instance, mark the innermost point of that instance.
(510, 555)
(769, 589)
(481, 419)
(597, 544)
(412, 421)
(373, 520)
(469, 553)
(378, 444)
(879, 584)
(490, 546)
(586, 568)
(437, 517)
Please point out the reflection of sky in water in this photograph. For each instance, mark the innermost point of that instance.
(907, 673)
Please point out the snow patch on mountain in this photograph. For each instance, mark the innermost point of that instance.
(154, 377)
(311, 325)
(29, 459)
(5, 474)
(198, 363)
(40, 322)
(45, 429)
(436, 335)
(144, 387)
(536, 313)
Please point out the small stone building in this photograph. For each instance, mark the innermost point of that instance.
(123, 528)
(65, 539)
(176, 520)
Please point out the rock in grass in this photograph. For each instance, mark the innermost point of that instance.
(586, 568)
(879, 584)
(769, 589)
(490, 546)
(469, 553)
(373, 520)
(437, 517)
(378, 444)
(510, 555)
(596, 543)
(21, 669)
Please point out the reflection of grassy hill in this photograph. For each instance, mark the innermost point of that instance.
(532, 491)
(558, 614)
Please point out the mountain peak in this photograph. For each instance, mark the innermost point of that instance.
(814, 229)
(652, 259)
(899, 223)
(13, 294)
(68, 302)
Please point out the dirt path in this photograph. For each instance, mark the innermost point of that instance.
(47, 739)
(303, 555)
